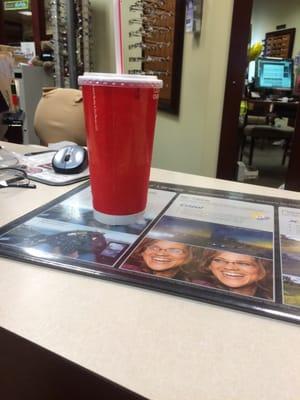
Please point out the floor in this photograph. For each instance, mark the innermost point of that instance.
(267, 159)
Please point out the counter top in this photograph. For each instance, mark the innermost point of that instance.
(161, 346)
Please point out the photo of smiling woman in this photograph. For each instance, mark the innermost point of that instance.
(238, 273)
(162, 258)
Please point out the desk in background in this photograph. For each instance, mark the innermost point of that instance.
(260, 124)
(160, 346)
(274, 109)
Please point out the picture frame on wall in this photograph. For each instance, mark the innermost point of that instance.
(280, 43)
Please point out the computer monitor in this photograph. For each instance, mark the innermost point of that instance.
(274, 73)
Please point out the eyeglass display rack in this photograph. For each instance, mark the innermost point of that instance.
(157, 28)
(71, 25)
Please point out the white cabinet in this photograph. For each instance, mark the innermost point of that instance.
(30, 81)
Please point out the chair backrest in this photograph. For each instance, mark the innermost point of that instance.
(269, 132)
(59, 116)
(286, 110)
(257, 113)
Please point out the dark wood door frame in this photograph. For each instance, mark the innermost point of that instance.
(237, 63)
(2, 33)
(38, 23)
(292, 179)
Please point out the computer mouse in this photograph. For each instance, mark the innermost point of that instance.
(70, 160)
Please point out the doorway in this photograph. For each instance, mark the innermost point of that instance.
(237, 64)
(26, 24)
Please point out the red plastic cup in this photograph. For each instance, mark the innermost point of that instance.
(120, 115)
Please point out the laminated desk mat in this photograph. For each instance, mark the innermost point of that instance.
(226, 248)
(39, 168)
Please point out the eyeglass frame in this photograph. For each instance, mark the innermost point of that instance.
(170, 250)
(24, 176)
(241, 264)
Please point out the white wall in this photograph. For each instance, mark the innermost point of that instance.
(102, 21)
(266, 15)
(189, 142)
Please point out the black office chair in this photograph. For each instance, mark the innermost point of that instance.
(258, 125)
(255, 132)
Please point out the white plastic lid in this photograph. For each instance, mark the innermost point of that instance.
(123, 79)
(106, 74)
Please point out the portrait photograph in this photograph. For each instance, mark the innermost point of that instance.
(208, 234)
(231, 272)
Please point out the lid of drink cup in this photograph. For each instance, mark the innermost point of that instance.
(119, 79)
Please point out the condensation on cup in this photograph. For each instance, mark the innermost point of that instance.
(120, 115)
